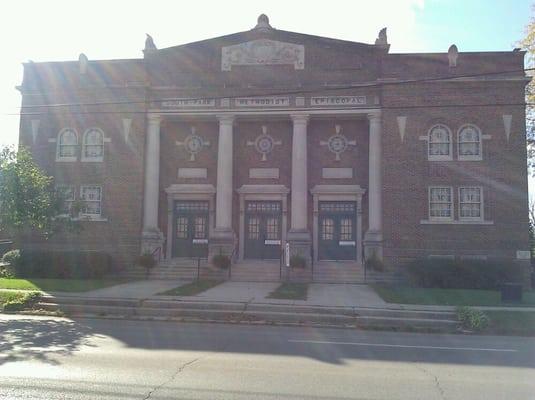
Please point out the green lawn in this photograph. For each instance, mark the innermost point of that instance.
(191, 289)
(450, 297)
(17, 300)
(9, 295)
(58, 285)
(511, 323)
(290, 291)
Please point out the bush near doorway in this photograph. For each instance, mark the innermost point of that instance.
(463, 274)
(221, 261)
(146, 261)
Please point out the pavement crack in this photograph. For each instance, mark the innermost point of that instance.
(173, 377)
(435, 379)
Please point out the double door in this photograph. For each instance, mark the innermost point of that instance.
(190, 229)
(263, 233)
(337, 230)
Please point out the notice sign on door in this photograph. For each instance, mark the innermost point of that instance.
(272, 242)
(346, 243)
(200, 241)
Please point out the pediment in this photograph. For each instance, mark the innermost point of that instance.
(263, 52)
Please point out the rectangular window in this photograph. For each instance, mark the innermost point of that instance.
(91, 196)
(182, 227)
(440, 203)
(346, 229)
(254, 228)
(67, 197)
(470, 203)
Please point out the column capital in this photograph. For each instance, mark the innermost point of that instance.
(154, 118)
(225, 119)
(299, 118)
(374, 116)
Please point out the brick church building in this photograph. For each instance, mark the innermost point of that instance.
(242, 143)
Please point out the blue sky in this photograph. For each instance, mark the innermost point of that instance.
(62, 29)
(474, 25)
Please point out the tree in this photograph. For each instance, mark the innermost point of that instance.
(28, 199)
(528, 43)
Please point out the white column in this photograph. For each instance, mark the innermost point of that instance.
(224, 175)
(152, 174)
(299, 173)
(375, 216)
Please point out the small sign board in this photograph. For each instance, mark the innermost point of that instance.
(200, 241)
(272, 242)
(523, 255)
(346, 243)
(287, 254)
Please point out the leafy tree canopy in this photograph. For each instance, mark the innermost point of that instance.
(28, 200)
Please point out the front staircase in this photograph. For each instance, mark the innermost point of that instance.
(189, 269)
(179, 268)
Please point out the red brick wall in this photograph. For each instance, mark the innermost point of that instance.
(407, 173)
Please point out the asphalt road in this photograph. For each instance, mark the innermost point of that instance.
(56, 358)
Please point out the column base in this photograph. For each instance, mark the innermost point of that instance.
(222, 241)
(300, 244)
(152, 243)
(373, 245)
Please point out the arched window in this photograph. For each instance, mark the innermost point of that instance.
(67, 145)
(439, 143)
(469, 138)
(93, 145)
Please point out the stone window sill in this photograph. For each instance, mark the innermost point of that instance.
(454, 222)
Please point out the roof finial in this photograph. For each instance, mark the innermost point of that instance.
(382, 40)
(149, 43)
(82, 63)
(453, 53)
(263, 22)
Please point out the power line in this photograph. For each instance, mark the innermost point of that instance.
(290, 92)
(203, 112)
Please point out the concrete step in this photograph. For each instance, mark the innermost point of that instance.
(259, 313)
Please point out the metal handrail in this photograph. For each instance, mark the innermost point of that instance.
(280, 262)
(159, 251)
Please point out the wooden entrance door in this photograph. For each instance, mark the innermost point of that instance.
(263, 229)
(190, 230)
(337, 230)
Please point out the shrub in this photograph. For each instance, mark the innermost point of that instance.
(25, 301)
(63, 264)
(221, 261)
(463, 274)
(472, 319)
(12, 260)
(297, 261)
(11, 257)
(147, 261)
(375, 263)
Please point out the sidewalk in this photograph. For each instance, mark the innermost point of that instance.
(319, 295)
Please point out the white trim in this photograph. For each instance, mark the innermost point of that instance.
(85, 158)
(266, 112)
(472, 257)
(440, 219)
(58, 145)
(73, 189)
(440, 157)
(92, 217)
(337, 193)
(481, 202)
(441, 256)
(477, 157)
(260, 193)
(453, 222)
(184, 192)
